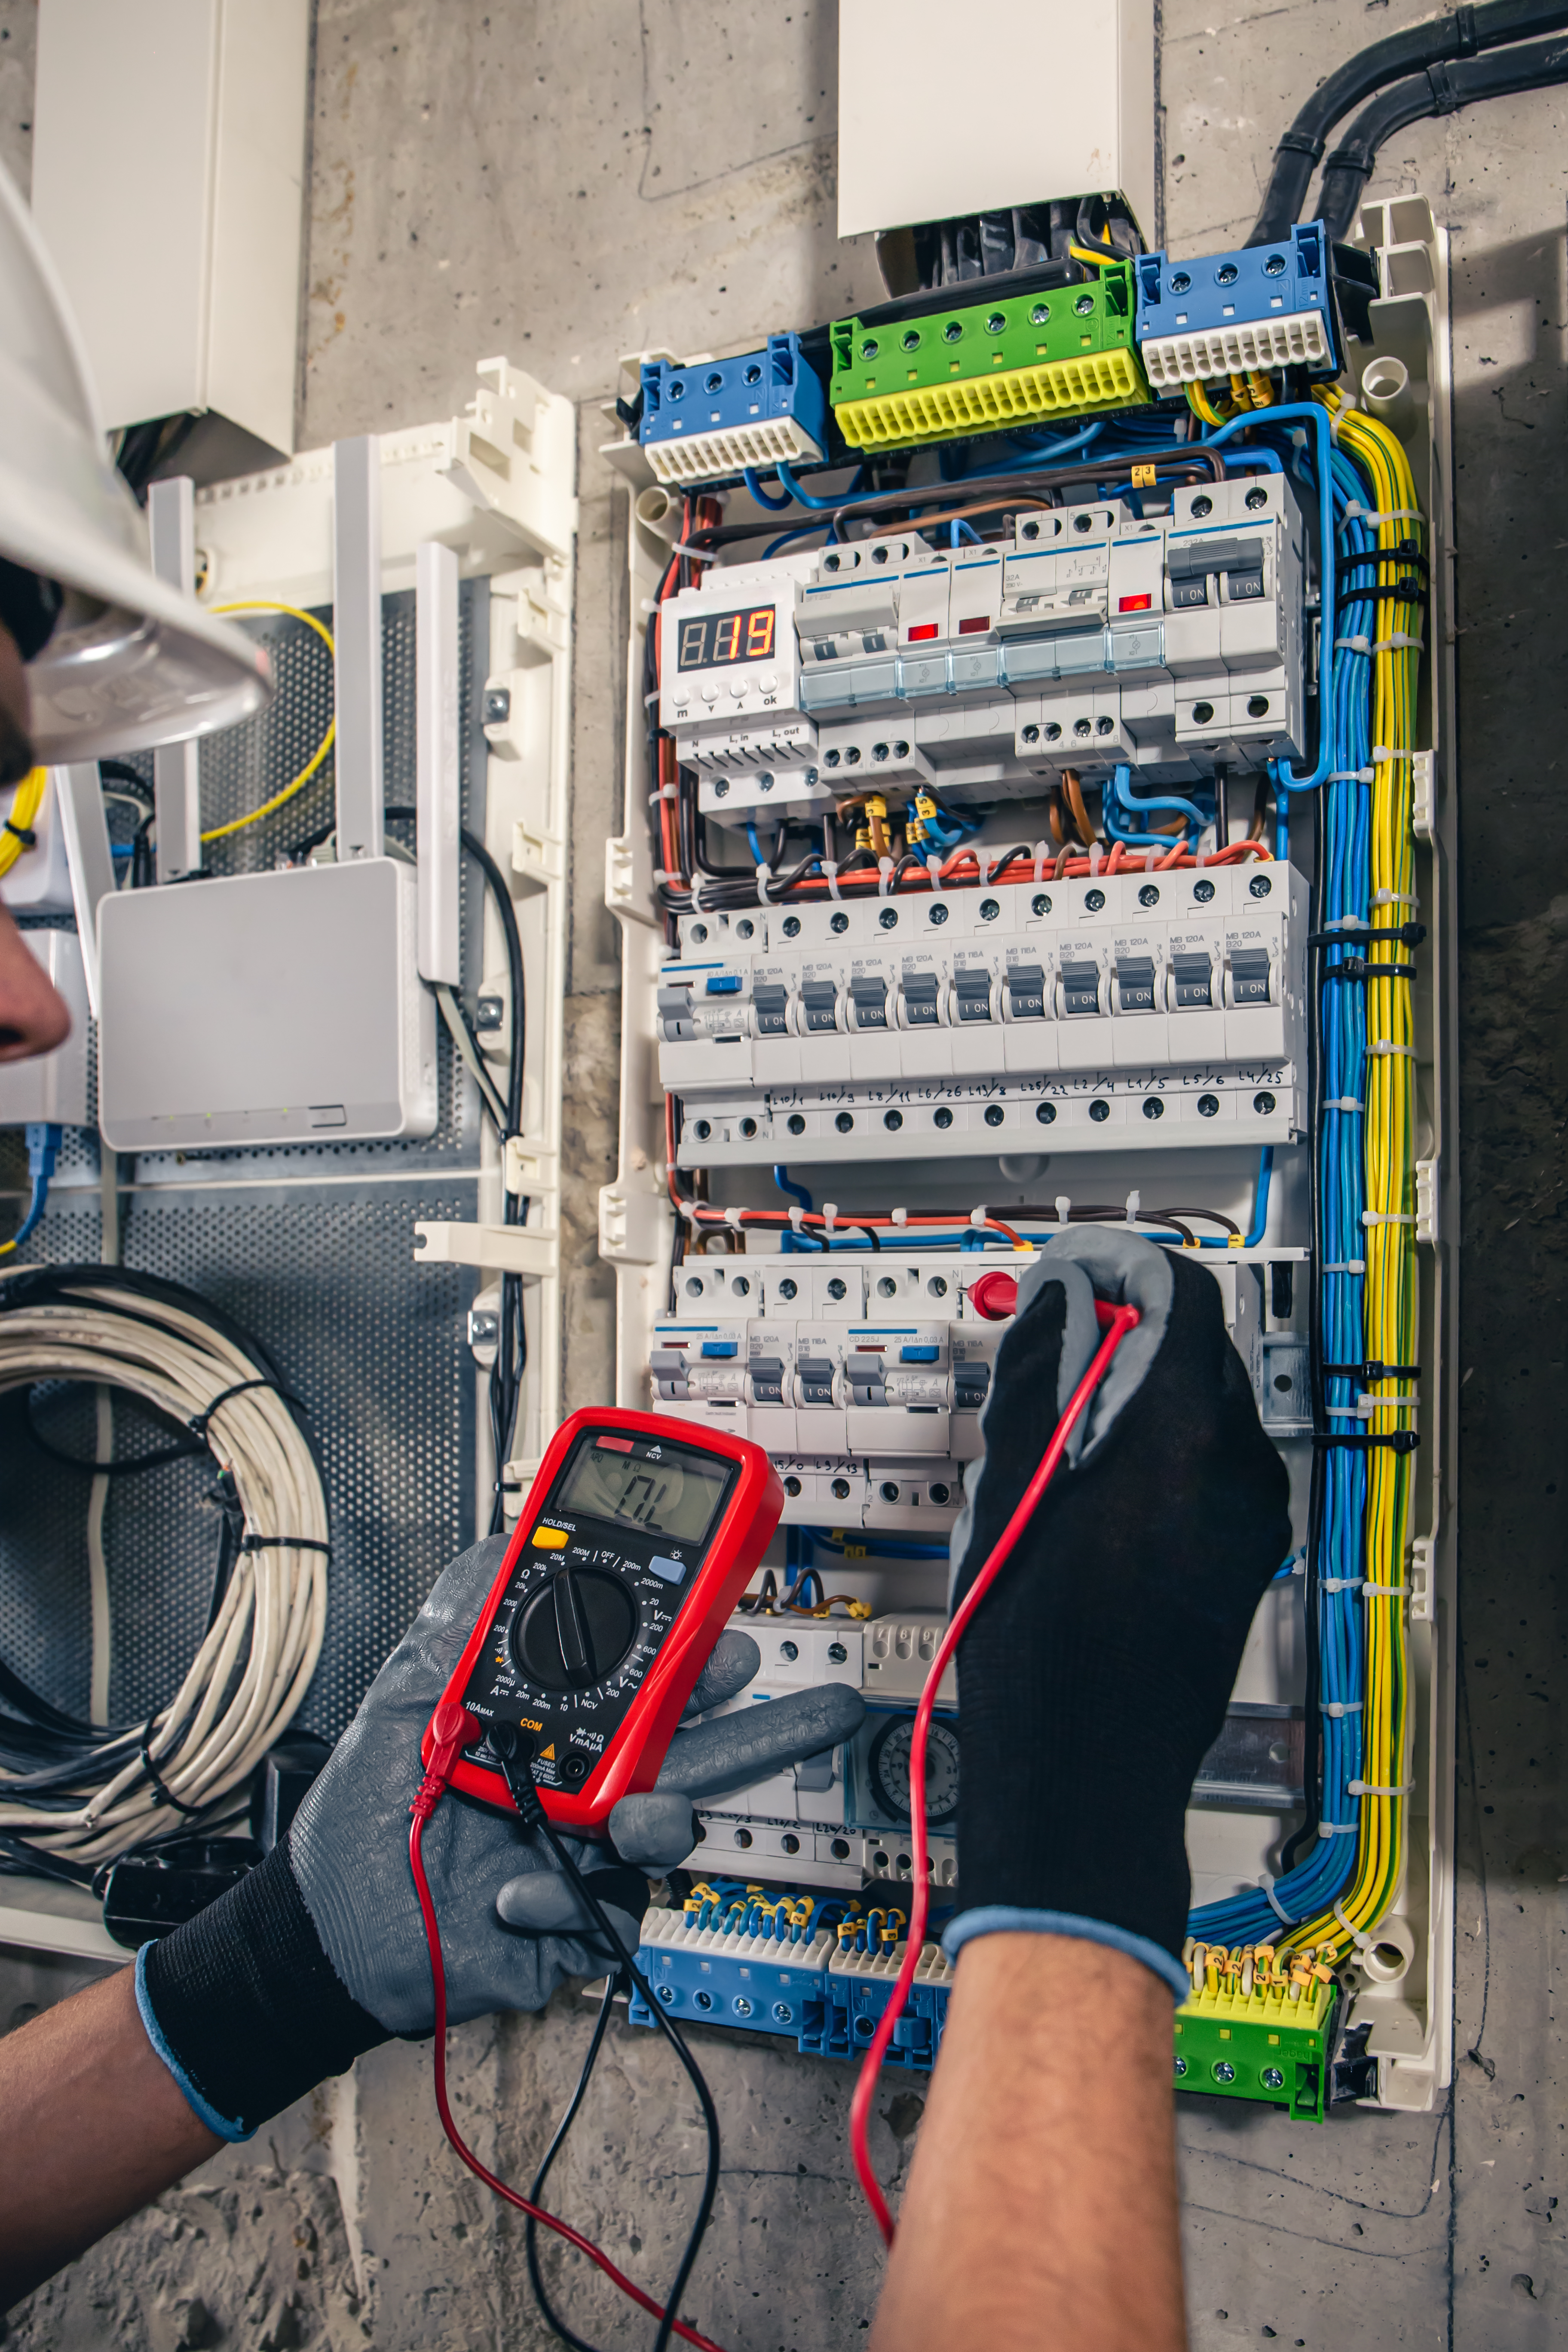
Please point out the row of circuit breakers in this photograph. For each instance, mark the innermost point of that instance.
(1130, 1010)
(1094, 638)
(865, 1377)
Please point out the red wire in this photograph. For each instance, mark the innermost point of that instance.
(564, 2229)
(1118, 1321)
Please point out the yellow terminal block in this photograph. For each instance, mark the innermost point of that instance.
(1257, 2025)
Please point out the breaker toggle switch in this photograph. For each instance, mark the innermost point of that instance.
(1249, 976)
(1135, 985)
(1192, 981)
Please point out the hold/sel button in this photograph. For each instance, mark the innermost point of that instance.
(672, 1570)
(549, 1538)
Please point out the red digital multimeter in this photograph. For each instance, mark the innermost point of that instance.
(640, 1535)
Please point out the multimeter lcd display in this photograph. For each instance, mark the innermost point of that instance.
(665, 1490)
(720, 638)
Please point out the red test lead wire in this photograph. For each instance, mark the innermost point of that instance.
(455, 1728)
(1117, 1321)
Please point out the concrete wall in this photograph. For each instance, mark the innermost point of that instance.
(563, 185)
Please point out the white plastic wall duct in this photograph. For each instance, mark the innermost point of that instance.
(1058, 100)
(183, 272)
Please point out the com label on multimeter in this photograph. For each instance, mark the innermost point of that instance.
(613, 1592)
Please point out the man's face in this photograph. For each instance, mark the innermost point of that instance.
(33, 1016)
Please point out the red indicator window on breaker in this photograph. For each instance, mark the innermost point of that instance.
(1134, 603)
(620, 1444)
(925, 629)
(979, 622)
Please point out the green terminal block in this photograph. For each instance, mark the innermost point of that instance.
(1028, 359)
(1259, 2045)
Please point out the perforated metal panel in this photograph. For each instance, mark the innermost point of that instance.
(311, 1248)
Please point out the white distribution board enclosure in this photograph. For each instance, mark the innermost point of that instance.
(265, 1008)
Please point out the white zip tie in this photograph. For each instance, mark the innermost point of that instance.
(1094, 858)
(1341, 1584)
(1353, 646)
(830, 867)
(1266, 1885)
(1041, 853)
(1398, 641)
(1348, 922)
(1338, 1706)
(1353, 508)
(764, 876)
(1064, 1209)
(901, 1217)
(1131, 1211)
(1383, 751)
(1393, 898)
(1345, 1265)
(1347, 407)
(733, 1219)
(1388, 1045)
(1386, 1216)
(1386, 1591)
(1338, 1828)
(664, 792)
(688, 1211)
(1345, 1102)
(649, 698)
(1356, 1412)
(978, 1219)
(1351, 775)
(1357, 1938)
(829, 1214)
(796, 1213)
(1370, 1788)
(884, 877)
(933, 867)
(1369, 1404)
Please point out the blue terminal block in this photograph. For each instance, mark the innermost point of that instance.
(711, 419)
(812, 1966)
(1269, 306)
(857, 1987)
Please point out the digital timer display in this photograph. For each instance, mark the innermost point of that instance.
(721, 637)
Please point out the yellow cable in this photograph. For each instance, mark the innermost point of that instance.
(26, 803)
(271, 605)
(1390, 1314)
(1202, 406)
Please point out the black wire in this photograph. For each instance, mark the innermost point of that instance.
(511, 1346)
(694, 2074)
(536, 2193)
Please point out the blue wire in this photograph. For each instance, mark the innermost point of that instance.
(763, 497)
(844, 498)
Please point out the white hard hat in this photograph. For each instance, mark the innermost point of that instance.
(130, 661)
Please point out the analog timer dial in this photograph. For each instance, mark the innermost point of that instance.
(889, 1763)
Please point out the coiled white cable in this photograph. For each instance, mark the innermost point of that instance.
(253, 1666)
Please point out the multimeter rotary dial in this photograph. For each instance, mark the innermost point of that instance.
(575, 1631)
(888, 1764)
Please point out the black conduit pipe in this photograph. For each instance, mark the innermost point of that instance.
(1441, 89)
(1463, 34)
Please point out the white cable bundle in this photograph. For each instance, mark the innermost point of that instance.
(252, 1670)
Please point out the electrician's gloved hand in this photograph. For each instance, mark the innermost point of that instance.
(321, 1954)
(1095, 1673)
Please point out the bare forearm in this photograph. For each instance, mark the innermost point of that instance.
(1042, 2202)
(96, 2126)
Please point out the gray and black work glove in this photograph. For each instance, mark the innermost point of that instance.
(321, 1954)
(1095, 1673)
